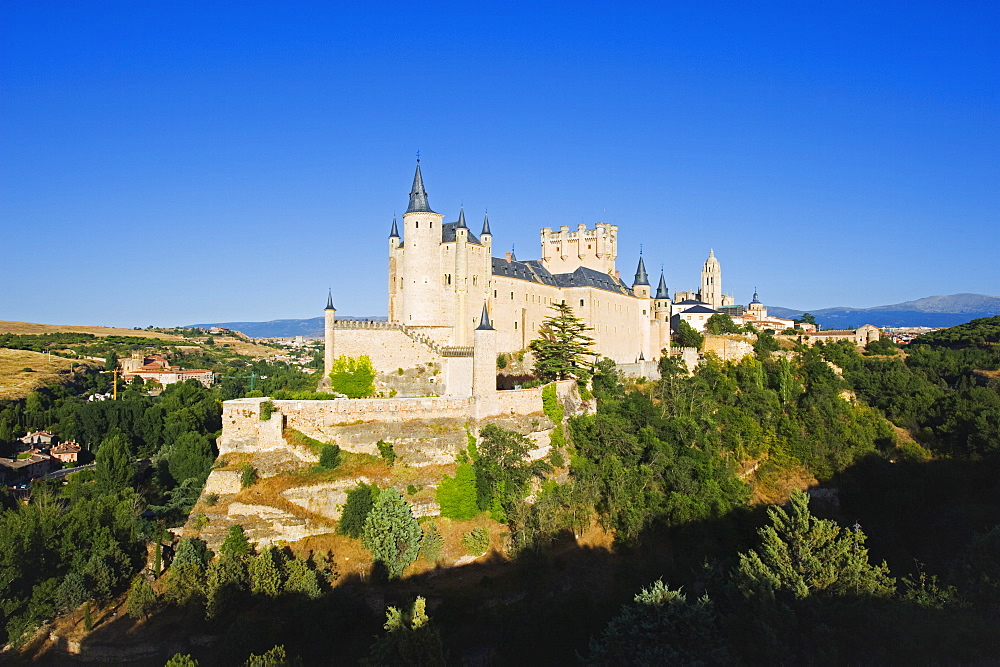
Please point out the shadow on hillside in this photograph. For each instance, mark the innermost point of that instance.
(544, 605)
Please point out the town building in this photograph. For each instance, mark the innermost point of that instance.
(156, 368)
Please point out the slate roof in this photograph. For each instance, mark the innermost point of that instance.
(448, 232)
(699, 309)
(533, 271)
(690, 302)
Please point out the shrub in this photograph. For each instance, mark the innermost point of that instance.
(501, 360)
(248, 476)
(432, 543)
(457, 495)
(199, 521)
(391, 533)
(386, 451)
(556, 458)
(477, 541)
(359, 503)
(266, 408)
(211, 499)
(410, 489)
(551, 406)
(353, 376)
(329, 456)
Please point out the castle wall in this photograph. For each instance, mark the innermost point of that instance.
(389, 349)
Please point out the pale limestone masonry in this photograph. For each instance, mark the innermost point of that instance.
(423, 431)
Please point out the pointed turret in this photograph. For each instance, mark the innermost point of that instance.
(640, 274)
(756, 299)
(329, 301)
(661, 289)
(461, 219)
(486, 226)
(484, 320)
(394, 233)
(418, 195)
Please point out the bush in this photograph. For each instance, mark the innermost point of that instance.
(359, 503)
(457, 495)
(432, 543)
(329, 456)
(477, 541)
(248, 476)
(211, 499)
(551, 406)
(266, 408)
(501, 360)
(386, 451)
(353, 376)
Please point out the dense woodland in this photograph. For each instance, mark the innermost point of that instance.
(898, 560)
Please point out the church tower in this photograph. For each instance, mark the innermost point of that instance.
(756, 309)
(711, 282)
(419, 291)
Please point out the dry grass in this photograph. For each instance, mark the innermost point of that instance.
(231, 342)
(33, 328)
(774, 486)
(15, 383)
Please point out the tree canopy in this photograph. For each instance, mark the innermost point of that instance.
(563, 349)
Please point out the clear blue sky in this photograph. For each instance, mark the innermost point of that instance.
(177, 162)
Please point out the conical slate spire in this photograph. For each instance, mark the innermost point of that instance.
(484, 320)
(661, 289)
(418, 196)
(394, 234)
(329, 301)
(640, 274)
(461, 219)
(486, 225)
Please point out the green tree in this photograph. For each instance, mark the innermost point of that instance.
(410, 639)
(563, 349)
(356, 509)
(721, 323)
(329, 456)
(236, 544)
(115, 468)
(275, 657)
(391, 533)
(141, 598)
(432, 542)
(686, 336)
(353, 376)
(660, 627)
(457, 495)
(190, 456)
(179, 660)
(800, 555)
(807, 318)
(265, 573)
(502, 471)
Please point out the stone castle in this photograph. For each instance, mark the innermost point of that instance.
(444, 283)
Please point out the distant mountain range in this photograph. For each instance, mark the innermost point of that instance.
(309, 328)
(932, 311)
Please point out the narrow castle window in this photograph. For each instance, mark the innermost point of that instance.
(417, 226)
(581, 302)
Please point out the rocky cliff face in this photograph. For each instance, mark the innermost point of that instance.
(294, 499)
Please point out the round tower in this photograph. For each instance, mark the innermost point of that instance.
(330, 318)
(420, 293)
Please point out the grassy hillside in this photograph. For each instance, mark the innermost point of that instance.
(17, 382)
(236, 342)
